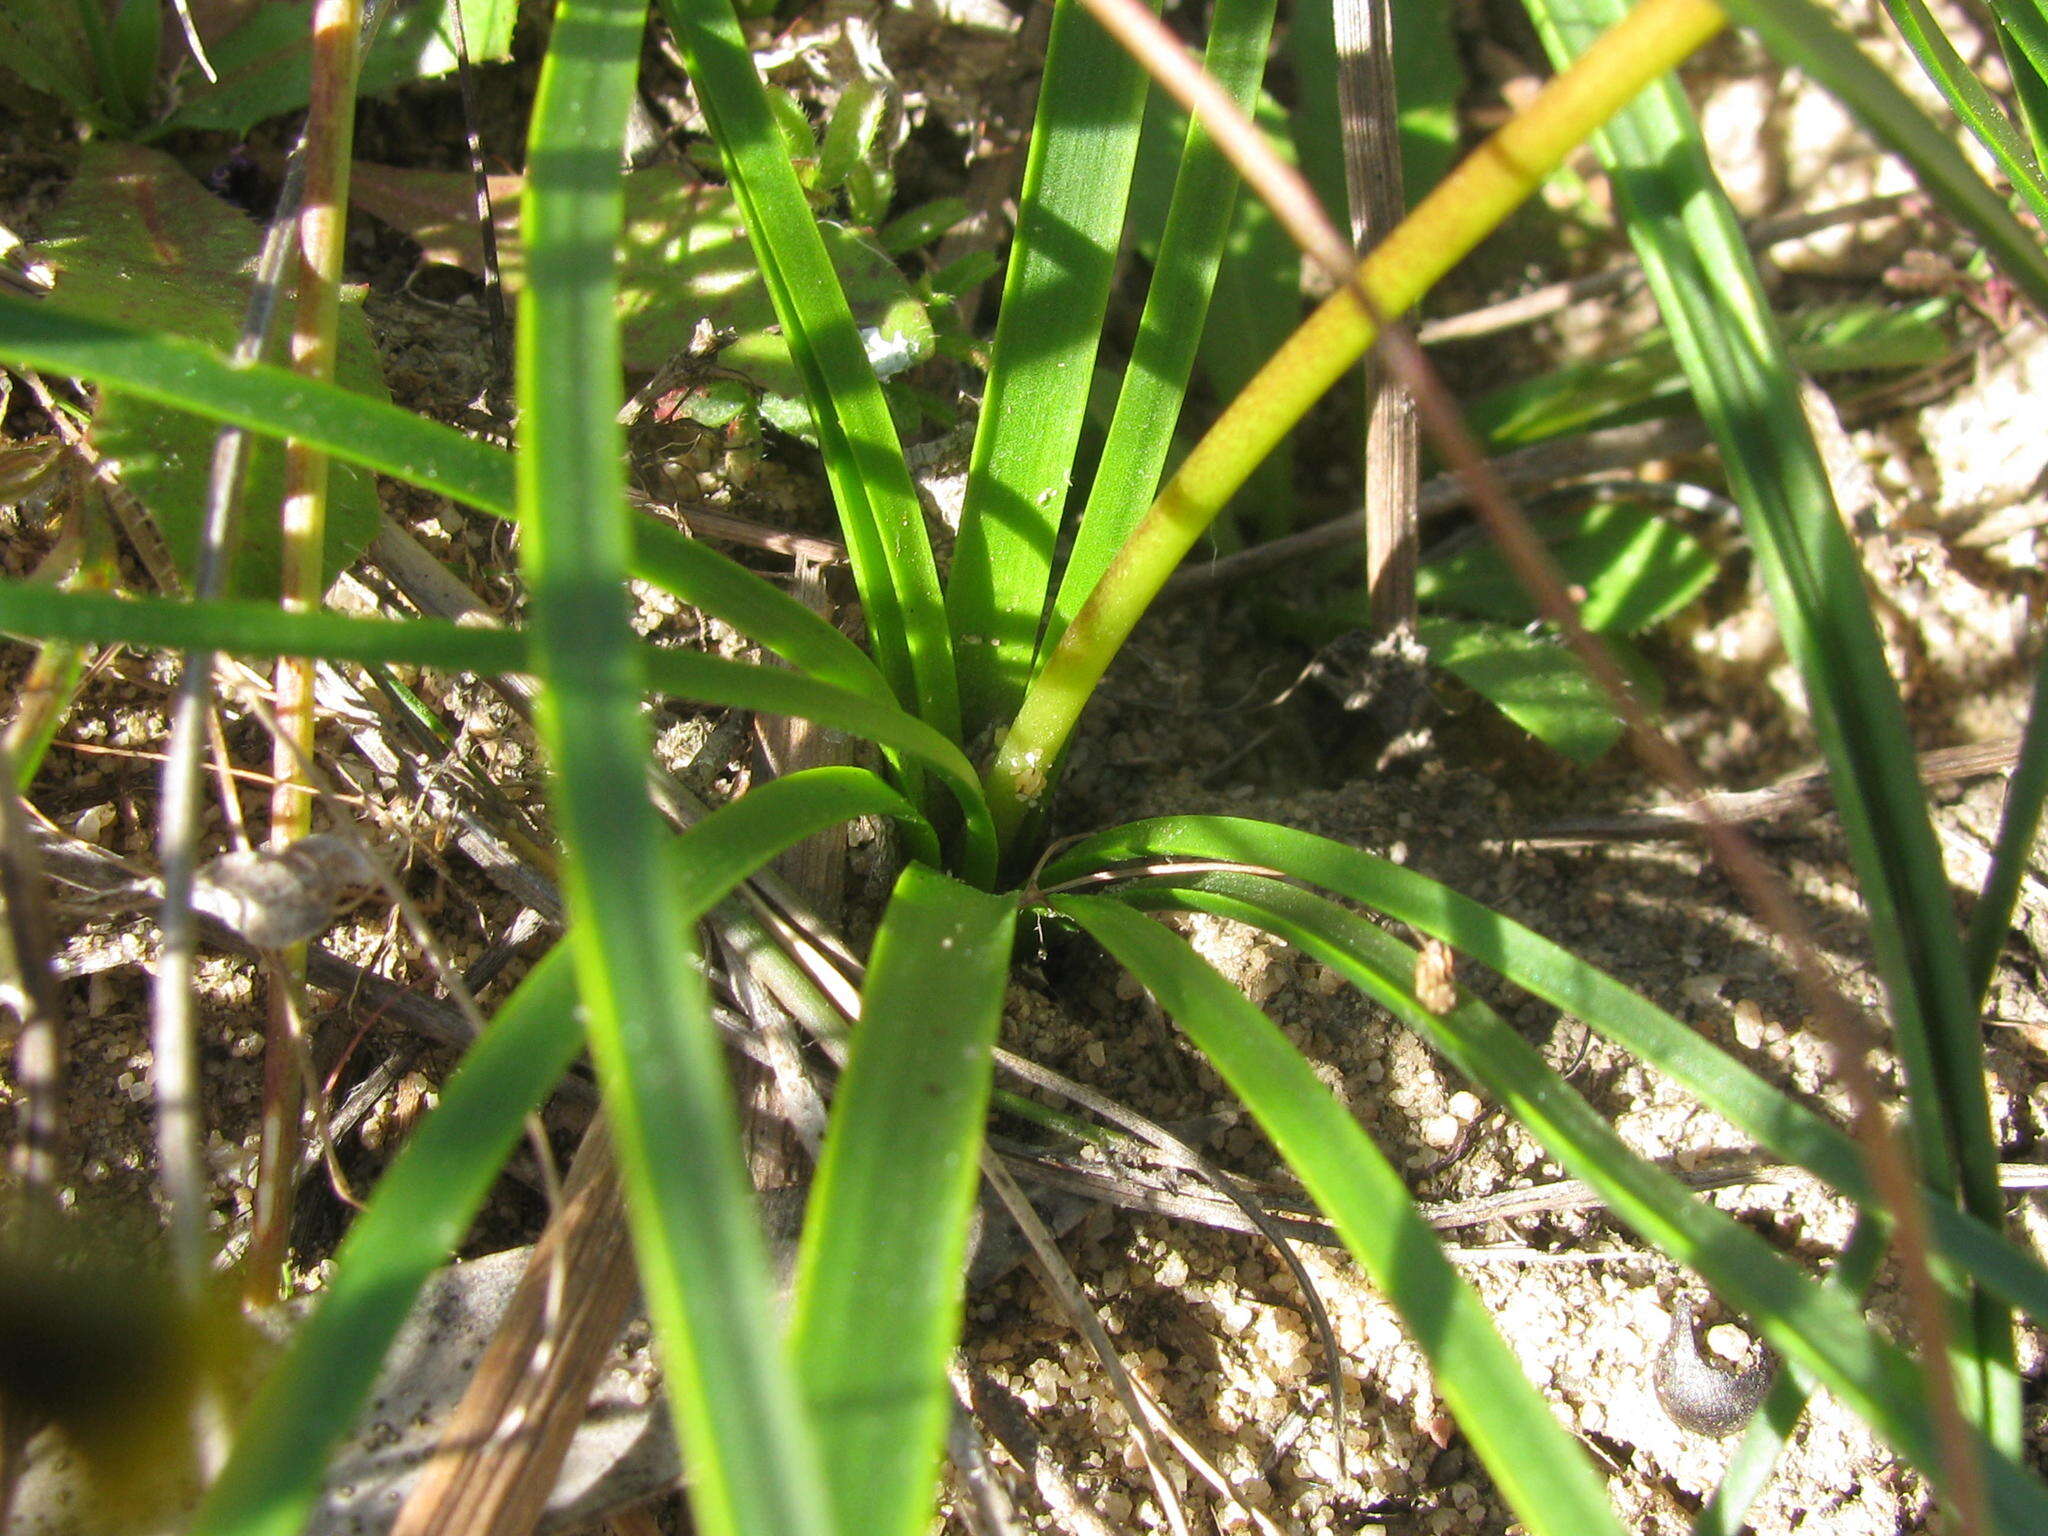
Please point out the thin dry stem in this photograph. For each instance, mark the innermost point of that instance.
(337, 26)
(1372, 180)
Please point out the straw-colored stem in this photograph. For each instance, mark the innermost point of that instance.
(337, 27)
(1469, 204)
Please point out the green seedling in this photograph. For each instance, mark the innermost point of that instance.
(973, 687)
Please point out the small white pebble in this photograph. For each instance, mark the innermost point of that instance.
(1703, 988)
(1749, 1024)
(93, 822)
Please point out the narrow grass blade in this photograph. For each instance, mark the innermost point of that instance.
(1801, 33)
(421, 1209)
(746, 834)
(1485, 188)
(1171, 327)
(1821, 1329)
(1551, 972)
(1706, 286)
(772, 691)
(2024, 28)
(755, 1469)
(764, 613)
(1256, 302)
(878, 507)
(1968, 98)
(1545, 1478)
(172, 370)
(176, 371)
(2029, 89)
(256, 629)
(1991, 918)
(1077, 179)
(424, 1203)
(879, 1292)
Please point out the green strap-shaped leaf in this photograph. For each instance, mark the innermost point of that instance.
(1706, 286)
(728, 845)
(1971, 101)
(425, 1202)
(754, 1463)
(1176, 310)
(1821, 1328)
(1070, 214)
(1553, 973)
(420, 1210)
(255, 629)
(173, 370)
(878, 507)
(1802, 33)
(249, 628)
(879, 1290)
(1991, 918)
(1544, 1476)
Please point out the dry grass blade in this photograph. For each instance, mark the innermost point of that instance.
(1011, 1426)
(1180, 1153)
(329, 137)
(1806, 792)
(1052, 1268)
(502, 1448)
(1372, 180)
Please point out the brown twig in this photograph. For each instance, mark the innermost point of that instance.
(1808, 790)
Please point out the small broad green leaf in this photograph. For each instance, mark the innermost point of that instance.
(799, 139)
(686, 261)
(853, 133)
(1532, 679)
(921, 225)
(1648, 380)
(134, 234)
(45, 46)
(264, 66)
(713, 403)
(1637, 569)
